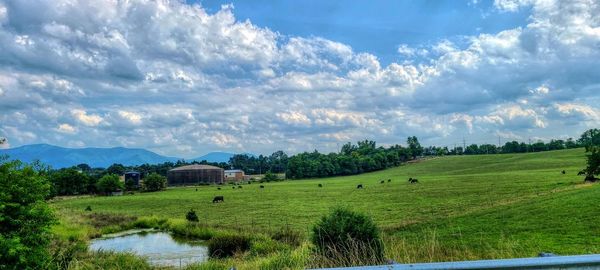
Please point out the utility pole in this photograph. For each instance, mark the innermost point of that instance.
(464, 144)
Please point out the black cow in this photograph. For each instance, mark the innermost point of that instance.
(389, 180)
(219, 188)
(563, 172)
(233, 187)
(261, 186)
(196, 189)
(382, 182)
(239, 186)
(218, 199)
(359, 186)
(320, 185)
(413, 180)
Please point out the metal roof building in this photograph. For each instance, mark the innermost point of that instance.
(194, 175)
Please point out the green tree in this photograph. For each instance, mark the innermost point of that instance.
(593, 164)
(69, 182)
(116, 168)
(155, 182)
(591, 140)
(415, 147)
(109, 183)
(25, 218)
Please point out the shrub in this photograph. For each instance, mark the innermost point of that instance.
(222, 246)
(262, 246)
(269, 176)
(191, 216)
(155, 182)
(345, 233)
(288, 236)
(130, 185)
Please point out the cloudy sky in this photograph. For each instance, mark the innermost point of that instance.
(187, 78)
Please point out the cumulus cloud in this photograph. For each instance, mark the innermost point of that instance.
(85, 118)
(66, 128)
(171, 77)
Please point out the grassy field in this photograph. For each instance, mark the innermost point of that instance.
(464, 207)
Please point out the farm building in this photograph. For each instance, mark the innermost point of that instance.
(195, 175)
(234, 175)
(133, 176)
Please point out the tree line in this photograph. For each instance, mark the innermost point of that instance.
(364, 156)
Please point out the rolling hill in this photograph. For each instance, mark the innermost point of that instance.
(60, 157)
(463, 208)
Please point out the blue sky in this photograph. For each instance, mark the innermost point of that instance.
(186, 78)
(377, 27)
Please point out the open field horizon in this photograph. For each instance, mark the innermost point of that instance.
(467, 207)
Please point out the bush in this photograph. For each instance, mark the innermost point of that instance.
(346, 233)
(109, 183)
(269, 176)
(155, 182)
(25, 218)
(191, 216)
(262, 246)
(226, 245)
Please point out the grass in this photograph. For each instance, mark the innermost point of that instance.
(464, 207)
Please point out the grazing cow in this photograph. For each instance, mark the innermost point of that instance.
(320, 185)
(413, 180)
(563, 172)
(219, 188)
(389, 180)
(239, 186)
(217, 199)
(233, 187)
(382, 182)
(196, 189)
(359, 186)
(261, 186)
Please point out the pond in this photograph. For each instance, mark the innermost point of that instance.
(160, 248)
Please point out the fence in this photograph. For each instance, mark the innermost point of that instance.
(551, 262)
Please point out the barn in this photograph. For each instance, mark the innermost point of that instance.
(195, 175)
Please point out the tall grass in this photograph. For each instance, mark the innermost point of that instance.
(101, 260)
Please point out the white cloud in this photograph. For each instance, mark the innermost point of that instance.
(223, 83)
(66, 128)
(85, 118)
(294, 118)
(132, 117)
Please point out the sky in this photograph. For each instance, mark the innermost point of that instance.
(187, 78)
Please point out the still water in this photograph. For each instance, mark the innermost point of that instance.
(160, 248)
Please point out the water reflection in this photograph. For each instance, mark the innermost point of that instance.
(160, 248)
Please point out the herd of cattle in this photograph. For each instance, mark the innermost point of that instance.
(220, 198)
(411, 180)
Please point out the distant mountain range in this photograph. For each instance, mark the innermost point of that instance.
(61, 157)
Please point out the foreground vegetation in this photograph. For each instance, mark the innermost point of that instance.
(464, 207)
